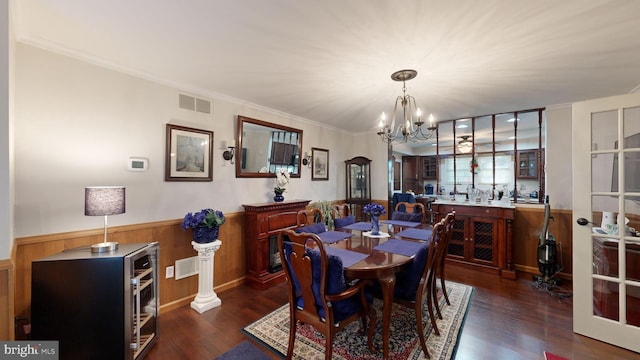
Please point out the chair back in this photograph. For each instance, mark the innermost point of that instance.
(401, 197)
(341, 210)
(449, 222)
(309, 216)
(410, 212)
(343, 221)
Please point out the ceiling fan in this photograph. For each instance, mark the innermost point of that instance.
(466, 144)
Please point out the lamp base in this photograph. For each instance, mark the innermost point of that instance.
(104, 247)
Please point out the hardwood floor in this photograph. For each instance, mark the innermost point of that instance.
(507, 319)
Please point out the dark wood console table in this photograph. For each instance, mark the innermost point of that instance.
(263, 222)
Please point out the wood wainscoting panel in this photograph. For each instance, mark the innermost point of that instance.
(175, 244)
(527, 227)
(6, 300)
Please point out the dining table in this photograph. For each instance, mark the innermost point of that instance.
(378, 258)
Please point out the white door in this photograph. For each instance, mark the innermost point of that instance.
(606, 191)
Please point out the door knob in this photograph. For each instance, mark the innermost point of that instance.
(583, 222)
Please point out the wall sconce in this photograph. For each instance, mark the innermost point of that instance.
(306, 160)
(228, 154)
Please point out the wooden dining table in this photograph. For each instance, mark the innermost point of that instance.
(378, 258)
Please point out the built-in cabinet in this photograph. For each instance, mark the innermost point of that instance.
(416, 170)
(263, 223)
(482, 237)
(528, 164)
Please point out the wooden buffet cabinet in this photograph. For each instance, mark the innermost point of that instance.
(263, 222)
(482, 236)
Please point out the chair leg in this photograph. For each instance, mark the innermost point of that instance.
(292, 337)
(444, 289)
(328, 348)
(430, 307)
(418, 311)
(434, 295)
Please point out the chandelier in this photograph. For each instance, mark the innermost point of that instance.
(410, 129)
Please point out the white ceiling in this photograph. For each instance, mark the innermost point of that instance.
(330, 61)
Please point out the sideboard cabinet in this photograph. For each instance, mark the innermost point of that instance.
(263, 222)
(482, 237)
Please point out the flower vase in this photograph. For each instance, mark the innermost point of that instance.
(278, 197)
(375, 224)
(203, 234)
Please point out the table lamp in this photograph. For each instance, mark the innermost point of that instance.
(104, 201)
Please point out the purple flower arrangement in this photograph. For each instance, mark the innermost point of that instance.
(204, 218)
(375, 209)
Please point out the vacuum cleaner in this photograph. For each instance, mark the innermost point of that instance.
(547, 251)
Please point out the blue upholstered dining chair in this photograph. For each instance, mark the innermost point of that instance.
(315, 228)
(343, 221)
(410, 212)
(401, 197)
(414, 283)
(317, 290)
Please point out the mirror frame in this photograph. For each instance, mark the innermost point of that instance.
(244, 174)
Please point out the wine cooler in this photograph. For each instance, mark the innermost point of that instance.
(97, 305)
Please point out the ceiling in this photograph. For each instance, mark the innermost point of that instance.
(330, 61)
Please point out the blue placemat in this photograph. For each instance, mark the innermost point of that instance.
(401, 247)
(361, 226)
(420, 234)
(333, 236)
(348, 257)
(401, 223)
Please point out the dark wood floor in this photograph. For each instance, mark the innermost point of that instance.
(507, 319)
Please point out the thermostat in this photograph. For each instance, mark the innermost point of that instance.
(137, 164)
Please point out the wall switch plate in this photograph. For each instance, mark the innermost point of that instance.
(169, 272)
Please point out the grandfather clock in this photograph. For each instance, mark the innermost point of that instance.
(358, 185)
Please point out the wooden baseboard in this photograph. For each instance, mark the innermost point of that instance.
(535, 271)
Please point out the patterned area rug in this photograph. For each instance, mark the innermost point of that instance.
(273, 332)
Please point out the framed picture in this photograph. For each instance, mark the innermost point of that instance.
(189, 155)
(319, 164)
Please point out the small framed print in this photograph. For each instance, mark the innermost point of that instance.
(189, 154)
(319, 164)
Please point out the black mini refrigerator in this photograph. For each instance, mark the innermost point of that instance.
(97, 305)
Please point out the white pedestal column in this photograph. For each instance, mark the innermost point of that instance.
(206, 299)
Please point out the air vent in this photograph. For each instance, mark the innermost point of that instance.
(192, 103)
(187, 267)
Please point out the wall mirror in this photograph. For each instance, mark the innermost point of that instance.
(264, 148)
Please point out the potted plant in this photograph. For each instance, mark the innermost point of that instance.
(205, 224)
(375, 210)
(282, 179)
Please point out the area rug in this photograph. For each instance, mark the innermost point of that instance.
(273, 332)
(243, 351)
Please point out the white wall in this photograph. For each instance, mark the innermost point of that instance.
(77, 124)
(7, 46)
(558, 157)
